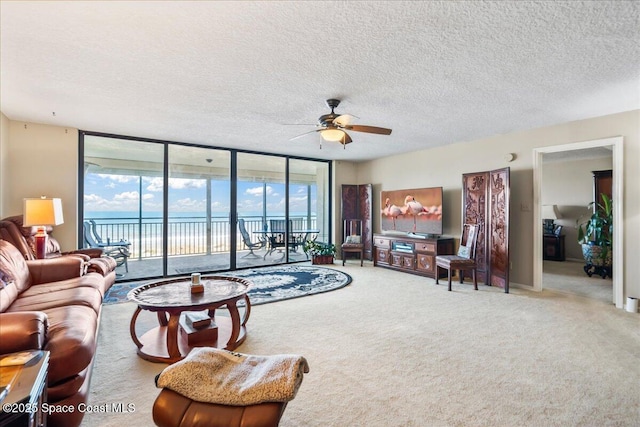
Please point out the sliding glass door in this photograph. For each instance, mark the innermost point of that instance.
(198, 210)
(123, 203)
(308, 201)
(260, 202)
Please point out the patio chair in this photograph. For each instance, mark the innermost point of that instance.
(246, 239)
(465, 259)
(277, 236)
(119, 251)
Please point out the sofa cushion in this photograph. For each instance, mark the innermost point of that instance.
(89, 280)
(46, 296)
(71, 339)
(13, 266)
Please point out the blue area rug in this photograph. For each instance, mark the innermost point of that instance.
(270, 284)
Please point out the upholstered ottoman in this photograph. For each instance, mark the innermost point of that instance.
(174, 410)
(220, 388)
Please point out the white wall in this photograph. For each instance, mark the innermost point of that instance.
(569, 185)
(42, 160)
(444, 166)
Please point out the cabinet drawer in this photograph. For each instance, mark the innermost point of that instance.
(404, 261)
(426, 247)
(426, 263)
(382, 256)
(382, 242)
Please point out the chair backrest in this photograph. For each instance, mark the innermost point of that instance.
(94, 231)
(468, 241)
(243, 231)
(279, 225)
(352, 231)
(89, 240)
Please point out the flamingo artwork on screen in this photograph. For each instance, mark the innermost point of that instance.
(416, 211)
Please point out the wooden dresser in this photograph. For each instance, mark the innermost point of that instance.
(409, 254)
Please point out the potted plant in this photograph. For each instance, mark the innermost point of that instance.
(321, 253)
(594, 234)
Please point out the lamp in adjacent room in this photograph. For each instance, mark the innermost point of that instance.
(42, 213)
(549, 214)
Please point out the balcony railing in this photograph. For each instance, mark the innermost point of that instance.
(186, 236)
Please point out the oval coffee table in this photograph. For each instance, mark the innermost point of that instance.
(165, 343)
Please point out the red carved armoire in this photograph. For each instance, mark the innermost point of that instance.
(357, 204)
(485, 197)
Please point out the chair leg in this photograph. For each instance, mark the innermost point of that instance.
(361, 258)
(449, 274)
(475, 281)
(437, 275)
(461, 274)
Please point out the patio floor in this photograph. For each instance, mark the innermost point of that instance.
(178, 265)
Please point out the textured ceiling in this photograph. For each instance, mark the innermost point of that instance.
(238, 74)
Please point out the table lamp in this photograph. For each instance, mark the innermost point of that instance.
(42, 213)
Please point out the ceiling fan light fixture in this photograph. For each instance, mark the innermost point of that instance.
(332, 134)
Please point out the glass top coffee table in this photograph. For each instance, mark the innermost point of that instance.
(172, 299)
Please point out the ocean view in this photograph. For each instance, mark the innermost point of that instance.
(187, 233)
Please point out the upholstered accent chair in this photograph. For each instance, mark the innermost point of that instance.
(465, 260)
(352, 239)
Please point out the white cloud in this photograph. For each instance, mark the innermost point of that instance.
(258, 191)
(127, 195)
(122, 179)
(156, 184)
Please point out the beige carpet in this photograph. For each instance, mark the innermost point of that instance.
(569, 276)
(393, 349)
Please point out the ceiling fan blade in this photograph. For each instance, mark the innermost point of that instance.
(303, 134)
(343, 119)
(346, 139)
(369, 129)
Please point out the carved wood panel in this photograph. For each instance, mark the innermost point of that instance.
(357, 204)
(499, 228)
(486, 203)
(474, 187)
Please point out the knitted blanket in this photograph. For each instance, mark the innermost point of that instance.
(229, 378)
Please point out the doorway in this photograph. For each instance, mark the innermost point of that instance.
(613, 144)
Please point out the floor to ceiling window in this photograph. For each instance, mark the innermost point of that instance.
(198, 210)
(178, 208)
(123, 202)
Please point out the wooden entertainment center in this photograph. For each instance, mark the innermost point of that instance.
(411, 254)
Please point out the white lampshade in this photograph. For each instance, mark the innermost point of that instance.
(42, 211)
(332, 134)
(550, 212)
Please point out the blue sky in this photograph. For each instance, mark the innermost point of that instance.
(120, 193)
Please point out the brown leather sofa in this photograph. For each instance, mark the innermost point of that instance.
(52, 304)
(23, 238)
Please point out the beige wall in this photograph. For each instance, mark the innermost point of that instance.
(4, 150)
(569, 185)
(42, 160)
(444, 166)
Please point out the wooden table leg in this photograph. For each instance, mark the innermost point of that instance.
(247, 310)
(172, 337)
(235, 326)
(132, 327)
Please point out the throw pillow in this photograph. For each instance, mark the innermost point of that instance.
(354, 239)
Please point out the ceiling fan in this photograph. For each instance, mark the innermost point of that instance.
(333, 126)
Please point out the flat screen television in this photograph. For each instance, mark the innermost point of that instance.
(417, 210)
